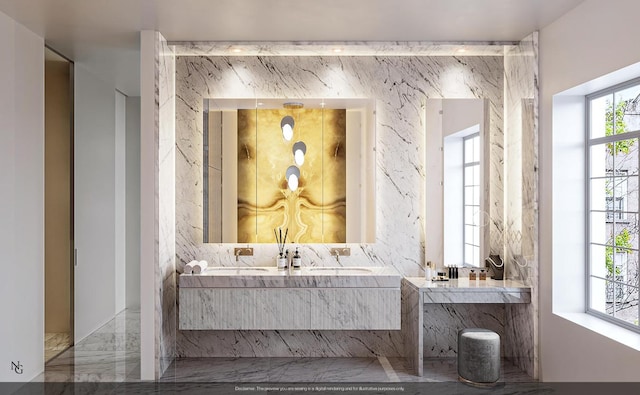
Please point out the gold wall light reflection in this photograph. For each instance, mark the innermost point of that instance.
(314, 210)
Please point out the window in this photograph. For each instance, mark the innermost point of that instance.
(471, 203)
(616, 194)
(613, 203)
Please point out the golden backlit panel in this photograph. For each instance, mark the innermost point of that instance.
(246, 176)
(315, 212)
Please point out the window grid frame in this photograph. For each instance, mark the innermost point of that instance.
(589, 143)
(465, 221)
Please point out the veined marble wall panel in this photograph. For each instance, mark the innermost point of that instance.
(521, 211)
(289, 344)
(166, 270)
(443, 321)
(400, 84)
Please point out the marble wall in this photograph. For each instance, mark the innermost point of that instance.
(521, 197)
(400, 84)
(443, 321)
(165, 281)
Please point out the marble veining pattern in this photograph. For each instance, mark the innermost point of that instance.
(443, 321)
(349, 48)
(412, 321)
(165, 315)
(400, 84)
(54, 343)
(521, 234)
(110, 354)
(271, 277)
(279, 343)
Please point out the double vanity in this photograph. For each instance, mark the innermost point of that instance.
(311, 298)
(330, 298)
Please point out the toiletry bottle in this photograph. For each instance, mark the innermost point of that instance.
(472, 275)
(288, 259)
(281, 262)
(427, 271)
(297, 260)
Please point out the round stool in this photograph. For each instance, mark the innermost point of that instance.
(478, 356)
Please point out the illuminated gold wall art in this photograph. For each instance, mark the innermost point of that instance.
(315, 212)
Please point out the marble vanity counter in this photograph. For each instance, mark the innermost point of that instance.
(463, 290)
(311, 298)
(307, 277)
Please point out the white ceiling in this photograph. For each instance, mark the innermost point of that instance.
(103, 34)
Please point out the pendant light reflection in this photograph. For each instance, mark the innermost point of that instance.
(293, 175)
(286, 124)
(299, 151)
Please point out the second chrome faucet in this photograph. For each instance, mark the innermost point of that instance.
(338, 252)
(246, 251)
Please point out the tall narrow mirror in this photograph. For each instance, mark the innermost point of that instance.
(306, 166)
(456, 183)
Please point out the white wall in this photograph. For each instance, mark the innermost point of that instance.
(94, 194)
(120, 200)
(21, 200)
(133, 203)
(592, 40)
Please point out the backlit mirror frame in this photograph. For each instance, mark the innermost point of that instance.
(449, 123)
(360, 166)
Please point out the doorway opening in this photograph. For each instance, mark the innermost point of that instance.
(59, 232)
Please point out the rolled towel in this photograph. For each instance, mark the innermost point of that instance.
(200, 267)
(188, 268)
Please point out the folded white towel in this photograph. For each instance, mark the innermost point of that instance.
(199, 267)
(188, 268)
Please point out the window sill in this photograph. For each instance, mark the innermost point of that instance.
(614, 332)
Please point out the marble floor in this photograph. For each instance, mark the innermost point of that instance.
(327, 370)
(112, 354)
(55, 343)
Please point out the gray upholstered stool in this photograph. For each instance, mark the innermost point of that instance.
(478, 356)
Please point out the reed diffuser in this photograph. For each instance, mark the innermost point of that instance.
(281, 260)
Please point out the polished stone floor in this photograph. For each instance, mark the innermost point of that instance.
(55, 343)
(112, 354)
(310, 370)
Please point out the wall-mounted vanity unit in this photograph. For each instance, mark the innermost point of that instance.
(316, 298)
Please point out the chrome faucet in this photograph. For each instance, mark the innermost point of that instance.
(340, 251)
(238, 252)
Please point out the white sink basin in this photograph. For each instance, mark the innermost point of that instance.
(236, 270)
(341, 270)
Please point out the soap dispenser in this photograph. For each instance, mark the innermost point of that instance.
(297, 260)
